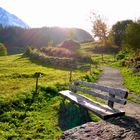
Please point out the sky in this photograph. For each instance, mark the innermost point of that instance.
(71, 13)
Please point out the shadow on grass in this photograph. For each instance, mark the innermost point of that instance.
(72, 115)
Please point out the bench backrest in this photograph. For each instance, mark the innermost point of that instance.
(107, 93)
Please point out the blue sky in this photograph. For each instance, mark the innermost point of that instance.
(71, 13)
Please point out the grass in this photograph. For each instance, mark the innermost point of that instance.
(132, 83)
(17, 75)
(85, 48)
(132, 80)
(28, 118)
(25, 115)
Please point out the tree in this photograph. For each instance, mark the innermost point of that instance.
(118, 31)
(3, 50)
(99, 28)
(132, 36)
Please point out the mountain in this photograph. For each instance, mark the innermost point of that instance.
(17, 39)
(8, 19)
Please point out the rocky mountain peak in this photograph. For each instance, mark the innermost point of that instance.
(8, 19)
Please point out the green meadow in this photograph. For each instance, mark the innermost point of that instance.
(27, 115)
(17, 74)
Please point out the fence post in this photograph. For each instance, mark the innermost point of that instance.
(71, 68)
(90, 68)
(37, 75)
(70, 79)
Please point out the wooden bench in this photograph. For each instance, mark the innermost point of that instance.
(109, 94)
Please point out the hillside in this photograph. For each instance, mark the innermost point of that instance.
(8, 19)
(17, 39)
(20, 69)
(27, 115)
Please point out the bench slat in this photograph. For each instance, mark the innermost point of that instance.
(101, 96)
(115, 91)
(103, 111)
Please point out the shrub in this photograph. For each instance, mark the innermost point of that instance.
(70, 44)
(58, 52)
(3, 50)
(121, 55)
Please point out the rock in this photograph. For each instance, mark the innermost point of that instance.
(121, 128)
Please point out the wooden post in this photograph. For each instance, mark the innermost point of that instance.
(70, 79)
(90, 68)
(36, 88)
(102, 57)
(37, 75)
(114, 56)
(110, 103)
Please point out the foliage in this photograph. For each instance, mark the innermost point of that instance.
(99, 26)
(122, 55)
(131, 80)
(91, 78)
(118, 31)
(3, 50)
(70, 45)
(106, 49)
(58, 52)
(59, 57)
(131, 37)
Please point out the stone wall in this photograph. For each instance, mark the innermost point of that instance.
(53, 61)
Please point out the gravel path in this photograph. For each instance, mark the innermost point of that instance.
(112, 77)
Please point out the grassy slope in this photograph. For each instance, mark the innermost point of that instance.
(26, 116)
(16, 74)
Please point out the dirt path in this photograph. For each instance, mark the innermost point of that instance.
(112, 77)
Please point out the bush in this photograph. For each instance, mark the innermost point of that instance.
(3, 50)
(70, 44)
(58, 52)
(121, 55)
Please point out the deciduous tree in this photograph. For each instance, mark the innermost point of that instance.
(118, 31)
(132, 36)
(99, 27)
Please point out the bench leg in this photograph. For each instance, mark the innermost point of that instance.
(110, 103)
